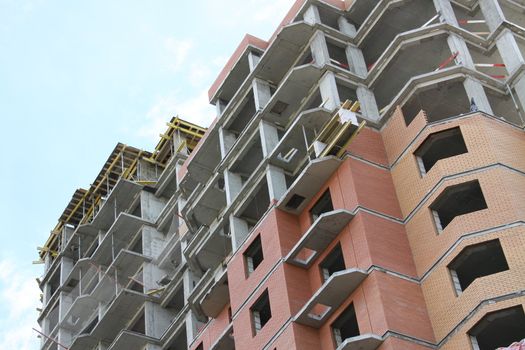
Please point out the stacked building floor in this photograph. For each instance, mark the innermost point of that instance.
(360, 188)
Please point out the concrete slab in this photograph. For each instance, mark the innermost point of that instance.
(294, 138)
(361, 342)
(331, 295)
(309, 183)
(118, 314)
(319, 236)
(83, 342)
(214, 296)
(79, 313)
(128, 340)
(123, 192)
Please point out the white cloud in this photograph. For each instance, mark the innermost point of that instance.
(19, 293)
(177, 52)
(193, 109)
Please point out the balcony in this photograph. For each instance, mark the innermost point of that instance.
(319, 236)
(361, 342)
(128, 340)
(208, 203)
(119, 235)
(126, 304)
(329, 297)
(214, 295)
(209, 246)
(308, 184)
(291, 151)
(121, 196)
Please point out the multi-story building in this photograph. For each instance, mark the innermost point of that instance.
(361, 188)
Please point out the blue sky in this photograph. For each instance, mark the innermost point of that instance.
(76, 77)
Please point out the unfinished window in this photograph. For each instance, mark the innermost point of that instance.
(441, 101)
(498, 329)
(139, 326)
(295, 201)
(253, 256)
(457, 200)
(323, 205)
(476, 261)
(332, 263)
(440, 145)
(337, 54)
(261, 312)
(345, 326)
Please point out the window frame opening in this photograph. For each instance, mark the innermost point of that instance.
(260, 312)
(323, 205)
(508, 332)
(487, 258)
(439, 145)
(339, 333)
(332, 263)
(457, 195)
(253, 256)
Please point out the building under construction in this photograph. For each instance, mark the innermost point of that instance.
(360, 188)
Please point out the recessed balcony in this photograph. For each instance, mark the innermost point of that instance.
(361, 342)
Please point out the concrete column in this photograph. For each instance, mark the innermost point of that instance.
(506, 43)
(492, 13)
(276, 182)
(346, 27)
(261, 93)
(152, 241)
(269, 137)
(253, 60)
(311, 15)
(356, 60)
(226, 141)
(447, 15)
(150, 205)
(509, 50)
(219, 106)
(239, 230)
(457, 44)
(66, 265)
(64, 336)
(156, 318)
(320, 49)
(476, 91)
(232, 185)
(329, 93)
(368, 103)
